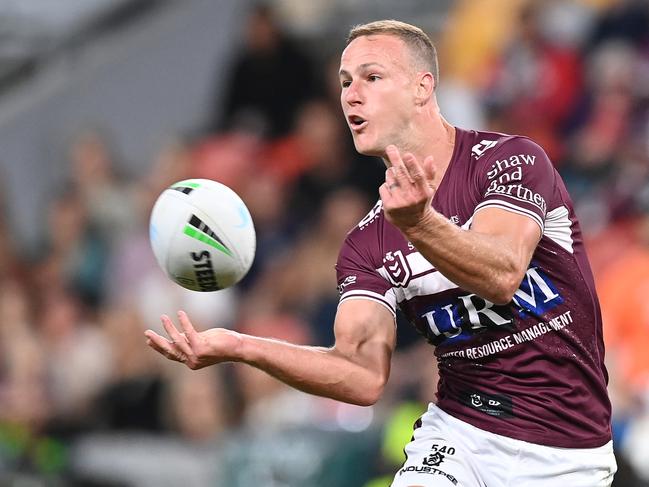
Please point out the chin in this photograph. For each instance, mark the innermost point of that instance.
(368, 149)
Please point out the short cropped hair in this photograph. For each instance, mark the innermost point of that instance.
(416, 39)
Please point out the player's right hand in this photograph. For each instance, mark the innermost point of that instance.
(407, 192)
(195, 349)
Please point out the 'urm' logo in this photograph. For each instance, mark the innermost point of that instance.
(204, 271)
(536, 294)
(461, 317)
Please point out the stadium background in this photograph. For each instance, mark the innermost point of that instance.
(105, 102)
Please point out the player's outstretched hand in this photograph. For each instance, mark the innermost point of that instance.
(407, 191)
(195, 349)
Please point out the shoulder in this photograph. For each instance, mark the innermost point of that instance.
(490, 145)
(370, 221)
(364, 238)
(493, 153)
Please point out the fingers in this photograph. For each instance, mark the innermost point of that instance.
(398, 169)
(429, 170)
(188, 329)
(393, 155)
(415, 171)
(390, 180)
(177, 339)
(384, 192)
(163, 346)
(406, 172)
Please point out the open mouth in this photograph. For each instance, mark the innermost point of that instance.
(356, 123)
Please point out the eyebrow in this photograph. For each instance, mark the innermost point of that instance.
(362, 67)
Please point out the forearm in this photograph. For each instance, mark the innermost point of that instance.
(316, 370)
(481, 263)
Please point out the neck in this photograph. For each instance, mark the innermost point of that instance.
(440, 145)
(435, 138)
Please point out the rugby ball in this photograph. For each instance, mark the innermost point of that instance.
(202, 235)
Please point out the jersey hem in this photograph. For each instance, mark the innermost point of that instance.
(544, 440)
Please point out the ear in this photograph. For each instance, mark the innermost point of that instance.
(425, 87)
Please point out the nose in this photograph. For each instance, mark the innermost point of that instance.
(351, 95)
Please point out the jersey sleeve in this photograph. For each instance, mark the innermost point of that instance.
(359, 279)
(518, 178)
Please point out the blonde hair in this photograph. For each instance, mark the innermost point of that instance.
(416, 39)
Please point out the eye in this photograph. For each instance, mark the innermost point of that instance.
(373, 77)
(345, 83)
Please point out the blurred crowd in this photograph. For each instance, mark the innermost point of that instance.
(83, 401)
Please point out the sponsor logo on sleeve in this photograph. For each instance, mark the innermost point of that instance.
(348, 281)
(506, 176)
(514, 161)
(481, 147)
(371, 216)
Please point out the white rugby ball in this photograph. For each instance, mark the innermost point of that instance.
(202, 235)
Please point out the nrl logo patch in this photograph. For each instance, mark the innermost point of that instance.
(397, 268)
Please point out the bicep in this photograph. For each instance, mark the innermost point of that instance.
(365, 331)
(519, 233)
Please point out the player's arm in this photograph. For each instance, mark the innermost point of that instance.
(490, 259)
(354, 370)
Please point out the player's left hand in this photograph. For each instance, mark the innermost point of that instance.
(194, 349)
(408, 191)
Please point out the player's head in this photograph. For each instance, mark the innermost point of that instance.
(388, 73)
(422, 49)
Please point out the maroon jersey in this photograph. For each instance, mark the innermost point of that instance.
(532, 369)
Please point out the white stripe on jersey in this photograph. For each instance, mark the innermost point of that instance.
(432, 282)
(503, 205)
(512, 197)
(388, 300)
(418, 263)
(558, 228)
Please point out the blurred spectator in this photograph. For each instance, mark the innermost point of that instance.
(268, 81)
(623, 20)
(607, 161)
(77, 360)
(198, 406)
(11, 265)
(108, 198)
(328, 163)
(469, 45)
(23, 395)
(623, 289)
(132, 398)
(74, 256)
(537, 82)
(229, 158)
(266, 199)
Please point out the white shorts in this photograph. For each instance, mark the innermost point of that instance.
(446, 451)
